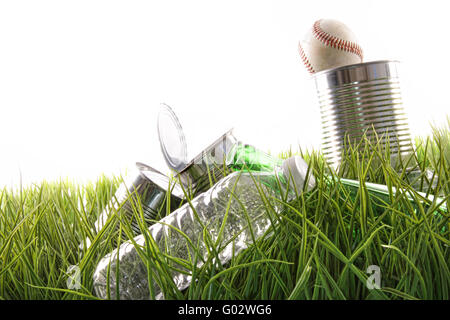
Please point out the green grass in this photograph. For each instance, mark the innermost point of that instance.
(320, 249)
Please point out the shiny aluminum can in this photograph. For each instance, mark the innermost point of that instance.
(143, 188)
(205, 169)
(210, 165)
(362, 100)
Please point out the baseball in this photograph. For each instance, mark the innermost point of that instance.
(329, 44)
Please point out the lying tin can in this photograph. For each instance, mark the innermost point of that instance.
(146, 188)
(210, 165)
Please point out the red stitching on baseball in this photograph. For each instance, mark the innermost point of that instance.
(335, 42)
(305, 59)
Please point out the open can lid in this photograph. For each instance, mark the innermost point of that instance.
(171, 139)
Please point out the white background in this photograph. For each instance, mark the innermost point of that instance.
(81, 81)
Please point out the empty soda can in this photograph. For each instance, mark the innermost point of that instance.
(143, 187)
(362, 100)
(208, 166)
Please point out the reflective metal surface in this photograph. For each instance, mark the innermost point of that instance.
(362, 99)
(171, 138)
(145, 187)
(209, 165)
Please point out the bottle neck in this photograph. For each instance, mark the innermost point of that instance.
(247, 158)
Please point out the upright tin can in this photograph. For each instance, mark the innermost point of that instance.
(362, 100)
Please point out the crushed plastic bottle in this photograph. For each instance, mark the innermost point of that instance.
(221, 213)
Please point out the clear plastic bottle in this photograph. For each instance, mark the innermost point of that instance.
(240, 193)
